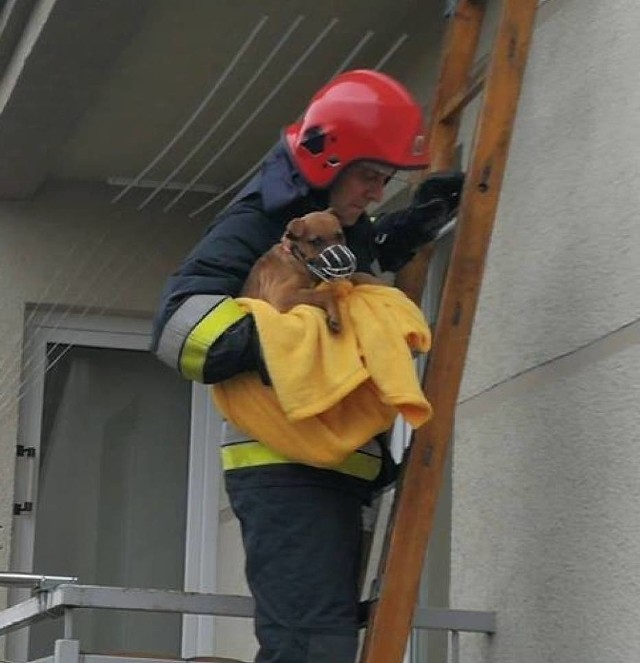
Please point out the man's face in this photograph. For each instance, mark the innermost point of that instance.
(358, 186)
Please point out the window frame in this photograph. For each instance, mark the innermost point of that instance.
(204, 476)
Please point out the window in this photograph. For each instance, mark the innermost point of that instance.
(124, 482)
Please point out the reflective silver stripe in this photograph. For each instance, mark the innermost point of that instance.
(372, 448)
(180, 325)
(232, 435)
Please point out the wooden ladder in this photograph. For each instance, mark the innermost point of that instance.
(459, 82)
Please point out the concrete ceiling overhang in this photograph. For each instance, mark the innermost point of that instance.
(55, 70)
(97, 89)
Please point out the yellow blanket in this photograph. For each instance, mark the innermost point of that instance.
(331, 392)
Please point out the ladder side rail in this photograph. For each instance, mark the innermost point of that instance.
(458, 56)
(456, 67)
(460, 44)
(458, 52)
(391, 620)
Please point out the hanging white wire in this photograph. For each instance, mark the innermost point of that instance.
(201, 106)
(245, 176)
(14, 373)
(391, 52)
(7, 405)
(10, 368)
(32, 359)
(248, 173)
(88, 257)
(140, 257)
(11, 372)
(228, 110)
(55, 279)
(255, 112)
(5, 14)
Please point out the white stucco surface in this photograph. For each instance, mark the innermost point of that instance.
(545, 515)
(564, 264)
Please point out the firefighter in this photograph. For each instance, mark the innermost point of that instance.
(301, 525)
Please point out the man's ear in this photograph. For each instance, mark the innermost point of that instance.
(295, 229)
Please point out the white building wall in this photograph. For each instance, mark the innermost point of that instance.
(545, 491)
(70, 247)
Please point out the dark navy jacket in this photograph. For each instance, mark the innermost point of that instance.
(221, 261)
(200, 331)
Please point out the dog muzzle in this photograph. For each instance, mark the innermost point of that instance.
(334, 262)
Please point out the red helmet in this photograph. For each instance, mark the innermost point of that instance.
(359, 115)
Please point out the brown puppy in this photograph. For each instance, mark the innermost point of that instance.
(281, 276)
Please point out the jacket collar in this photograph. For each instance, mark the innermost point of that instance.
(280, 184)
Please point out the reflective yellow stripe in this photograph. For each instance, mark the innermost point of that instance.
(255, 454)
(361, 465)
(249, 454)
(196, 346)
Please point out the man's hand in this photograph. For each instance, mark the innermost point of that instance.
(444, 185)
(400, 234)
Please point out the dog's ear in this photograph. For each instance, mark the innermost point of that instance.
(295, 229)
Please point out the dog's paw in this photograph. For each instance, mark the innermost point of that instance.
(334, 325)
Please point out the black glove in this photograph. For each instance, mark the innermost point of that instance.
(240, 352)
(400, 234)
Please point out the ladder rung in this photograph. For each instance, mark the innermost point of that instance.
(471, 89)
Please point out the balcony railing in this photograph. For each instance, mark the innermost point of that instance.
(59, 597)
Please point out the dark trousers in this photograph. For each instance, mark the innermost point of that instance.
(303, 547)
